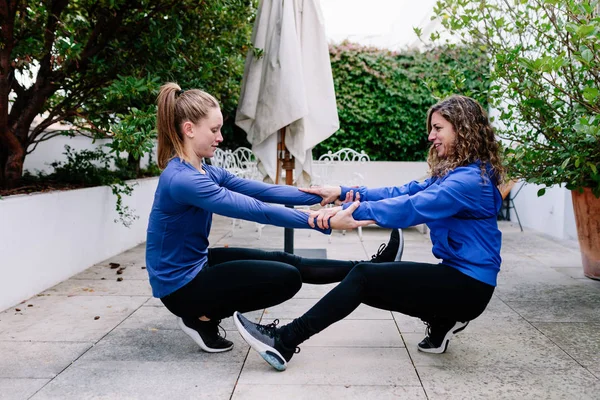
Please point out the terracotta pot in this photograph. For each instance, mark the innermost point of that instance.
(587, 218)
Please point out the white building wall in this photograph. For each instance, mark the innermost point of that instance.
(551, 214)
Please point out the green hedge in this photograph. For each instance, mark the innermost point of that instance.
(383, 96)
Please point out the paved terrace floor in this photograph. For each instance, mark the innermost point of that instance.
(95, 337)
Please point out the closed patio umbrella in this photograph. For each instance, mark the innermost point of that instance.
(287, 95)
(288, 85)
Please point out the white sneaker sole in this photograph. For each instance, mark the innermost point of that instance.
(268, 353)
(459, 326)
(400, 246)
(198, 339)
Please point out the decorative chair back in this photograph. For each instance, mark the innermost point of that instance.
(345, 154)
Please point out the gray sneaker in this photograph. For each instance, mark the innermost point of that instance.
(266, 340)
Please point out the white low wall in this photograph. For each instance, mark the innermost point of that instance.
(372, 174)
(48, 237)
(53, 150)
(551, 214)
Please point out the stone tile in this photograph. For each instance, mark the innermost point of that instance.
(160, 345)
(94, 287)
(153, 302)
(133, 256)
(294, 308)
(473, 350)
(573, 310)
(571, 272)
(497, 319)
(64, 318)
(150, 319)
(311, 392)
(354, 333)
(563, 259)
(309, 291)
(143, 380)
(153, 318)
(580, 340)
(335, 366)
(38, 359)
(562, 290)
(103, 271)
(17, 389)
(493, 382)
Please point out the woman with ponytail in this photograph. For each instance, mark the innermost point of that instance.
(202, 285)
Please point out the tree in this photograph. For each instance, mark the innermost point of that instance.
(545, 71)
(95, 64)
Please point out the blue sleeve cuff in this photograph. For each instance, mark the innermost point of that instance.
(345, 190)
(325, 231)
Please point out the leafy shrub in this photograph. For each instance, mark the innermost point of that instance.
(383, 96)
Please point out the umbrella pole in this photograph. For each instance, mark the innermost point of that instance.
(287, 163)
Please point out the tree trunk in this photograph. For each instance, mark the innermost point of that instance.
(11, 160)
(134, 164)
(587, 218)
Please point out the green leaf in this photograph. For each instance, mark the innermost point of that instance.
(587, 54)
(541, 192)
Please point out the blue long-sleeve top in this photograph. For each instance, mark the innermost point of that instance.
(460, 210)
(181, 217)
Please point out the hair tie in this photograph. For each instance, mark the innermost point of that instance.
(180, 92)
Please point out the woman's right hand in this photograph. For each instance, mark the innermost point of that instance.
(322, 217)
(330, 194)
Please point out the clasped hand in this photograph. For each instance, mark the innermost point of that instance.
(331, 194)
(336, 218)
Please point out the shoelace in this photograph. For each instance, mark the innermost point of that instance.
(427, 328)
(379, 251)
(218, 323)
(268, 329)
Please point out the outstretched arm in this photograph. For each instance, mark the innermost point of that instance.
(381, 193)
(436, 202)
(200, 191)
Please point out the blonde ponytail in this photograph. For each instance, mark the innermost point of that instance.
(176, 106)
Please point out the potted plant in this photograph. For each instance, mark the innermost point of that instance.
(545, 73)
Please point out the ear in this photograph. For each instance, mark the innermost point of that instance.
(188, 129)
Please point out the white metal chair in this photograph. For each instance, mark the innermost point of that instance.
(240, 162)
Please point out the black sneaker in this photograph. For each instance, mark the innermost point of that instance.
(266, 340)
(393, 250)
(438, 336)
(206, 334)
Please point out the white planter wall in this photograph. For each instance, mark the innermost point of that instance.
(551, 213)
(48, 237)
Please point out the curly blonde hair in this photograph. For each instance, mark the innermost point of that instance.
(475, 138)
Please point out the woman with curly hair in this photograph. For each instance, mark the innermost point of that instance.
(459, 203)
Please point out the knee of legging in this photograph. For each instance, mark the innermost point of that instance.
(359, 272)
(291, 278)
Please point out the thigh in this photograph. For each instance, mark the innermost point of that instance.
(312, 270)
(219, 290)
(424, 290)
(220, 255)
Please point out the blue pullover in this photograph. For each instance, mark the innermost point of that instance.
(181, 217)
(460, 209)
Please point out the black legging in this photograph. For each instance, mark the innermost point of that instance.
(238, 279)
(435, 293)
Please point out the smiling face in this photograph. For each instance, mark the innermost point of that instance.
(202, 138)
(442, 135)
